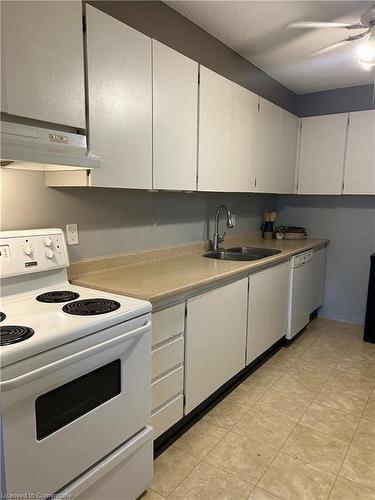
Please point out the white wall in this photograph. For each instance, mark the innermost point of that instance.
(113, 221)
(349, 222)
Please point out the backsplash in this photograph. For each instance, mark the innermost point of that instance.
(114, 221)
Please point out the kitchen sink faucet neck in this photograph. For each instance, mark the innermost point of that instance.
(217, 239)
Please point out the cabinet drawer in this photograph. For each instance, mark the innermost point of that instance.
(164, 418)
(167, 323)
(166, 387)
(167, 357)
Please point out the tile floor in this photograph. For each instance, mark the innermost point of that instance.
(301, 427)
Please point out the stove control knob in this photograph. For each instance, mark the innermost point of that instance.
(47, 241)
(49, 253)
(28, 249)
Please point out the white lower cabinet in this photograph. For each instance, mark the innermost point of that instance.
(215, 340)
(268, 309)
(167, 367)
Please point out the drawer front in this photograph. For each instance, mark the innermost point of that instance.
(166, 387)
(167, 357)
(168, 323)
(168, 415)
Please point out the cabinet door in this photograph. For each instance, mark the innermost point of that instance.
(120, 108)
(269, 140)
(360, 157)
(44, 61)
(244, 140)
(175, 119)
(215, 340)
(317, 277)
(215, 132)
(268, 309)
(322, 154)
(285, 168)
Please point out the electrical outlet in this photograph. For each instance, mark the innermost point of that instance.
(234, 219)
(72, 234)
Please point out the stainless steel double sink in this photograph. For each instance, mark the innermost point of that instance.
(241, 253)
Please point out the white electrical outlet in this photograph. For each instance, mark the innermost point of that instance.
(72, 234)
(234, 219)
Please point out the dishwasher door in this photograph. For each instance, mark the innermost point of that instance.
(299, 293)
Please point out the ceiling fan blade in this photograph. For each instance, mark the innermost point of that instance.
(329, 48)
(318, 25)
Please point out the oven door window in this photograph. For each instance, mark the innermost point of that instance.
(66, 403)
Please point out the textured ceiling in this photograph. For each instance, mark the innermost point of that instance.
(257, 30)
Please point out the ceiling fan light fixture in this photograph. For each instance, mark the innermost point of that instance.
(366, 51)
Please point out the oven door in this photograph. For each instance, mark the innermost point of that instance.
(66, 412)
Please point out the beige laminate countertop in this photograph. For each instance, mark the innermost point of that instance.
(161, 276)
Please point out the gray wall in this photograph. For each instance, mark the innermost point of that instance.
(113, 221)
(343, 100)
(349, 222)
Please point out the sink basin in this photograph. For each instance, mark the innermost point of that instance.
(241, 253)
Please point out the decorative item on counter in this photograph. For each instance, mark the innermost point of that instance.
(295, 233)
(267, 226)
(280, 231)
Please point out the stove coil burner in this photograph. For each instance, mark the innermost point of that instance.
(2, 316)
(11, 334)
(58, 296)
(90, 307)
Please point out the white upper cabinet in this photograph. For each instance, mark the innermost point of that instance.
(43, 61)
(286, 168)
(269, 137)
(120, 102)
(227, 134)
(360, 155)
(322, 154)
(277, 145)
(175, 119)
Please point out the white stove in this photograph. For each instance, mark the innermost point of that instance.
(75, 378)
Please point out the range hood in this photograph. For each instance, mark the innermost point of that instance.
(27, 147)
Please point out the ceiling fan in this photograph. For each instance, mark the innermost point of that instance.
(366, 51)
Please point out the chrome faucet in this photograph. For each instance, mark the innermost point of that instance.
(217, 239)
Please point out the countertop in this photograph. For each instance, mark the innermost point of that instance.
(168, 274)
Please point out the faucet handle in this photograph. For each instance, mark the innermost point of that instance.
(221, 238)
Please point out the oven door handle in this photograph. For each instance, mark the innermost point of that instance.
(73, 358)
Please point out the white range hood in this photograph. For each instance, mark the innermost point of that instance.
(27, 147)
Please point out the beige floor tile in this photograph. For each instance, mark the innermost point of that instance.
(346, 401)
(321, 356)
(300, 345)
(282, 405)
(207, 482)
(170, 468)
(359, 466)
(358, 365)
(369, 412)
(200, 439)
(266, 428)
(151, 495)
(225, 414)
(362, 349)
(347, 490)
(259, 494)
(350, 381)
(302, 381)
(246, 395)
(292, 479)
(329, 421)
(264, 376)
(243, 458)
(365, 435)
(315, 448)
(281, 361)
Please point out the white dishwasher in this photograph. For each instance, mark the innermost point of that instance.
(300, 290)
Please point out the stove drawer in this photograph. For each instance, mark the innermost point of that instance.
(166, 357)
(168, 323)
(168, 415)
(163, 389)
